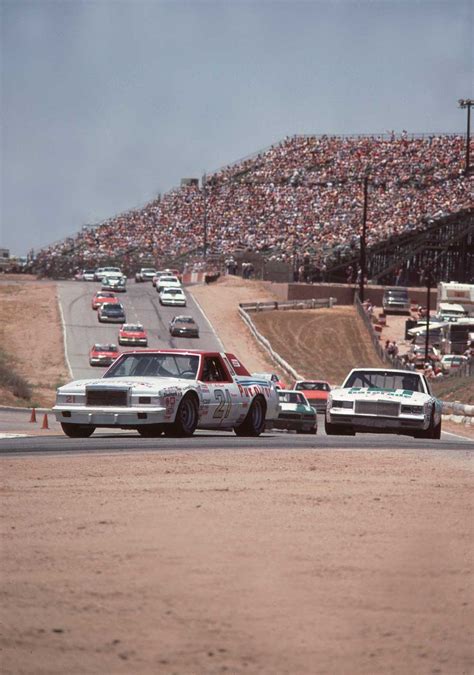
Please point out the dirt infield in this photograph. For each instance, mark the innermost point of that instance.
(264, 562)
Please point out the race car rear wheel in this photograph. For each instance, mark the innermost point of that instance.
(186, 419)
(77, 430)
(150, 430)
(254, 423)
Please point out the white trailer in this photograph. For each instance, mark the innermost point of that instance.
(455, 293)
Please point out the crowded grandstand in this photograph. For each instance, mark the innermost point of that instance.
(299, 198)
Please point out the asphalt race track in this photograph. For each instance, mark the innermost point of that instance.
(142, 305)
(105, 441)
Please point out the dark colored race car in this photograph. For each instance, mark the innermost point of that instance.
(111, 313)
(184, 326)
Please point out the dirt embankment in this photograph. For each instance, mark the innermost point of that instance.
(31, 336)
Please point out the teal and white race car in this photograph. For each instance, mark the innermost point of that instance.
(375, 400)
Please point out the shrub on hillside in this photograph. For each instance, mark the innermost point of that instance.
(11, 380)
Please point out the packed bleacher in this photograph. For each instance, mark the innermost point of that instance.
(303, 196)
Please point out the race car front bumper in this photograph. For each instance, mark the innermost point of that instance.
(380, 424)
(115, 417)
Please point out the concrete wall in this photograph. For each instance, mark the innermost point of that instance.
(344, 293)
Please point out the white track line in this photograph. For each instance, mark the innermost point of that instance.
(464, 438)
(208, 322)
(63, 325)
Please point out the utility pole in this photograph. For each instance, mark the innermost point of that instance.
(362, 261)
(429, 282)
(467, 103)
(204, 192)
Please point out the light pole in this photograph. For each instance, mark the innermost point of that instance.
(362, 261)
(467, 103)
(429, 283)
(204, 192)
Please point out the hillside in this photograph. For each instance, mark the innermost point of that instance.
(319, 343)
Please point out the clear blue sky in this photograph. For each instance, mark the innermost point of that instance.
(107, 103)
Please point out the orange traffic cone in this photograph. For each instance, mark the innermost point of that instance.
(45, 424)
(33, 415)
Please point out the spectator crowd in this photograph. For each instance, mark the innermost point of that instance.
(301, 197)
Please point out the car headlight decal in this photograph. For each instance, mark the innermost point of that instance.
(342, 404)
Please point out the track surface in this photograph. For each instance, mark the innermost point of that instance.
(141, 303)
(124, 442)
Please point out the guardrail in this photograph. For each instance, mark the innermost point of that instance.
(311, 303)
(267, 346)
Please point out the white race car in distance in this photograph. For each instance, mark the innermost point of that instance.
(169, 391)
(375, 400)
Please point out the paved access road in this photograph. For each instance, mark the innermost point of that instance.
(142, 305)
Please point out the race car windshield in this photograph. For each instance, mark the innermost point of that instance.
(313, 386)
(156, 365)
(384, 380)
(105, 348)
(291, 397)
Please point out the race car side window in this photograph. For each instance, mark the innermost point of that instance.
(213, 370)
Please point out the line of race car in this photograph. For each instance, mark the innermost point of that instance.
(176, 391)
(110, 310)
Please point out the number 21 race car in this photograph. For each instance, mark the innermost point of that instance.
(169, 392)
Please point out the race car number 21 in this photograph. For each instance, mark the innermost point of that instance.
(224, 405)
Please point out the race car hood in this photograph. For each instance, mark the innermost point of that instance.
(138, 384)
(415, 397)
(315, 395)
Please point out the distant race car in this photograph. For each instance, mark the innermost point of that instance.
(117, 283)
(384, 401)
(296, 414)
(183, 326)
(102, 297)
(111, 313)
(145, 274)
(316, 391)
(273, 377)
(109, 272)
(167, 281)
(133, 334)
(174, 297)
(169, 391)
(85, 275)
(103, 354)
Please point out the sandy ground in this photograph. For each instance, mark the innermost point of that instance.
(283, 562)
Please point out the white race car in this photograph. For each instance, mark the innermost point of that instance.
(169, 391)
(384, 401)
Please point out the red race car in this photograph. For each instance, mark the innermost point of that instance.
(133, 334)
(316, 392)
(103, 354)
(103, 296)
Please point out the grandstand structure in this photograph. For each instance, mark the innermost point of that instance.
(299, 206)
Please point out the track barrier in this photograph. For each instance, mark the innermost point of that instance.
(33, 415)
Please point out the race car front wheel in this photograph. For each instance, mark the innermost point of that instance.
(186, 419)
(254, 423)
(77, 430)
